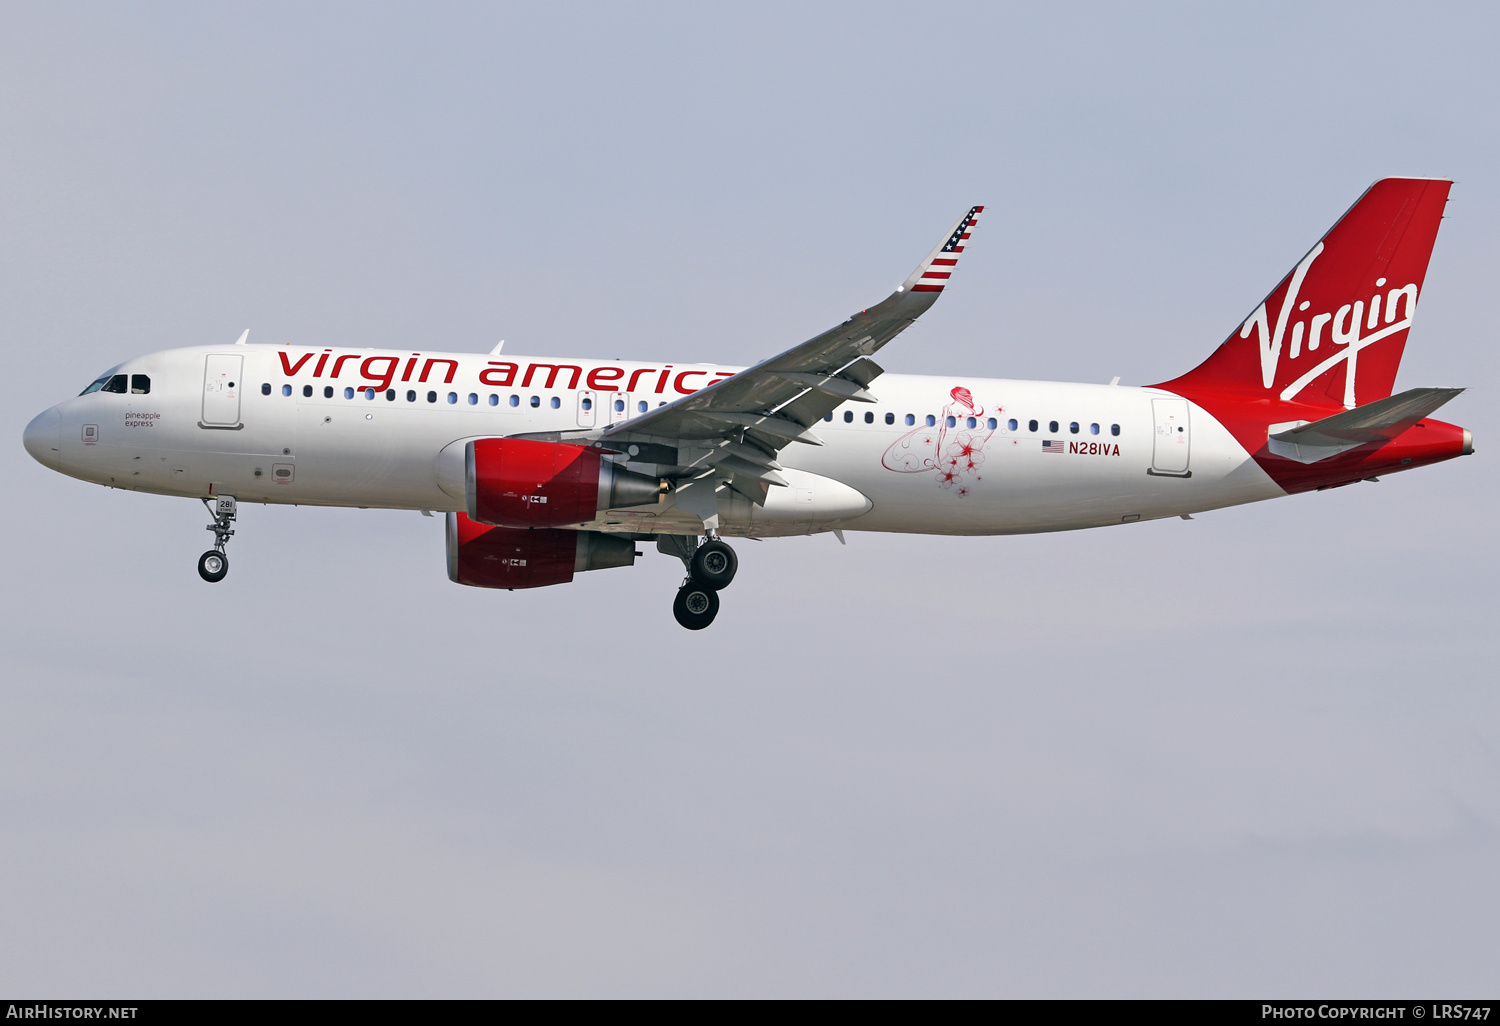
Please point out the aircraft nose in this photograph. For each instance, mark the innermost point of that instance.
(43, 438)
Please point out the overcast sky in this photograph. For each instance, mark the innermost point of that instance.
(1253, 754)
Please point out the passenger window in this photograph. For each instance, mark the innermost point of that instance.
(265, 389)
(931, 420)
(452, 398)
(494, 399)
(473, 399)
(587, 404)
(369, 393)
(1012, 425)
(619, 405)
(1114, 429)
(286, 389)
(869, 418)
(828, 417)
(971, 422)
(117, 384)
(910, 420)
(139, 384)
(1093, 429)
(952, 421)
(1052, 426)
(1031, 425)
(327, 391)
(642, 406)
(307, 391)
(536, 401)
(390, 395)
(556, 402)
(991, 424)
(348, 393)
(848, 416)
(890, 418)
(411, 395)
(515, 400)
(432, 397)
(1073, 428)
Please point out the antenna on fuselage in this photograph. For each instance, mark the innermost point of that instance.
(244, 339)
(498, 346)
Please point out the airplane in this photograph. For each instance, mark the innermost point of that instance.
(545, 468)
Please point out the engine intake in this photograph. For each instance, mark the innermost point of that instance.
(483, 556)
(520, 482)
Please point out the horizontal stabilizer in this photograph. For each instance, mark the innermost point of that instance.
(1379, 421)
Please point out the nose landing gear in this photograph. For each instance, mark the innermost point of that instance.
(711, 566)
(213, 565)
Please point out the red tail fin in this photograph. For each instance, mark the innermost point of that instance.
(1333, 331)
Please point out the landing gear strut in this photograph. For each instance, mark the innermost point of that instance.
(711, 566)
(213, 565)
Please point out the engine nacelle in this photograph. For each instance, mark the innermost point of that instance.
(483, 556)
(520, 482)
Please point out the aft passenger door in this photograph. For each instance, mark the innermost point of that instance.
(1169, 454)
(222, 384)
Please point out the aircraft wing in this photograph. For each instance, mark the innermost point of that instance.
(744, 420)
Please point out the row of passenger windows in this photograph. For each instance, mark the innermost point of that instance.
(587, 404)
(138, 384)
(1074, 427)
(472, 399)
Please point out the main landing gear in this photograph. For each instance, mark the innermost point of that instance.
(213, 565)
(711, 566)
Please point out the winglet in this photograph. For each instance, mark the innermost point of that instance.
(244, 339)
(933, 273)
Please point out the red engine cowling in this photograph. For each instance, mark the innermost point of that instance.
(521, 482)
(482, 556)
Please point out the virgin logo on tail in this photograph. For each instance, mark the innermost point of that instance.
(1346, 307)
(1344, 328)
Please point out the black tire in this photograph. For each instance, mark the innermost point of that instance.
(714, 565)
(212, 566)
(696, 605)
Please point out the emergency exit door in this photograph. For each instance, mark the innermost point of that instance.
(222, 385)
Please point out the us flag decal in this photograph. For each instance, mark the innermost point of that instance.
(1051, 445)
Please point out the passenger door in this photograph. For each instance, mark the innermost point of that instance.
(222, 385)
(1169, 454)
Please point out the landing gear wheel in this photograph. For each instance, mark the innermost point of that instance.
(714, 564)
(212, 566)
(696, 605)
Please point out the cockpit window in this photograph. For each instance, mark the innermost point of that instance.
(96, 385)
(140, 384)
(116, 383)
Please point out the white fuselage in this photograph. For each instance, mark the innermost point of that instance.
(934, 455)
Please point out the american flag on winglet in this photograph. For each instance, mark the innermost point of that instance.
(937, 274)
(1051, 445)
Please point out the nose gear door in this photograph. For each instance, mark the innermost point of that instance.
(222, 385)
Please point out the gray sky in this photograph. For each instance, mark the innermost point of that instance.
(1253, 754)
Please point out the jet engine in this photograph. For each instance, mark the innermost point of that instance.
(520, 482)
(483, 556)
